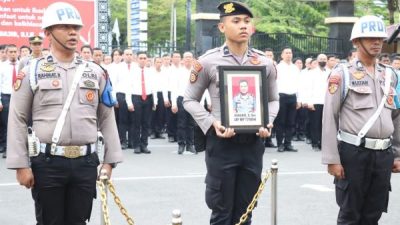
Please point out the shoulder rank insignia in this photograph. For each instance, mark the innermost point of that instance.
(47, 67)
(358, 75)
(229, 8)
(333, 84)
(197, 67)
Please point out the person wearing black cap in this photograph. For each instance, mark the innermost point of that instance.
(234, 160)
(36, 45)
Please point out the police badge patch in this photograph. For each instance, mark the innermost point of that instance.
(17, 84)
(47, 67)
(333, 84)
(197, 67)
(358, 75)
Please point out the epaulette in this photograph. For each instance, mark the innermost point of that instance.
(257, 51)
(214, 50)
(385, 66)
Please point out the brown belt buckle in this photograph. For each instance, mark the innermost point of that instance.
(72, 152)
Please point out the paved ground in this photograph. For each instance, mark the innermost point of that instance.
(151, 186)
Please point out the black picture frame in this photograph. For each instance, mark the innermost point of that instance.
(246, 113)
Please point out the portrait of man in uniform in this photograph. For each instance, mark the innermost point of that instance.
(244, 101)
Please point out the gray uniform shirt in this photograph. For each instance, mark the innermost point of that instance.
(207, 78)
(364, 95)
(86, 114)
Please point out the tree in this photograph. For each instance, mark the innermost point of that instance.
(288, 16)
(118, 10)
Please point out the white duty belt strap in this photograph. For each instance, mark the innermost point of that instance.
(61, 118)
(372, 119)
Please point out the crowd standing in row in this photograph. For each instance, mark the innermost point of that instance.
(154, 97)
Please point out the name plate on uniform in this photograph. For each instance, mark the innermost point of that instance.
(244, 97)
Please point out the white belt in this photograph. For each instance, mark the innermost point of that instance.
(70, 151)
(370, 143)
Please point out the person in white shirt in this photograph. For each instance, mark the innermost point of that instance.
(174, 69)
(86, 53)
(118, 72)
(318, 87)
(8, 78)
(158, 117)
(185, 123)
(302, 126)
(287, 80)
(141, 98)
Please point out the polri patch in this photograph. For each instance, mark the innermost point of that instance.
(17, 84)
(55, 83)
(197, 67)
(333, 83)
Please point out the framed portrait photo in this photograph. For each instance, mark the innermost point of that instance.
(244, 97)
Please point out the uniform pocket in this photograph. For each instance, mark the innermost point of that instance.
(361, 97)
(342, 198)
(213, 193)
(88, 92)
(50, 92)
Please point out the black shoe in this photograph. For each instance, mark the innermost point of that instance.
(290, 148)
(171, 139)
(2, 149)
(130, 146)
(191, 149)
(181, 149)
(281, 148)
(136, 150)
(145, 150)
(124, 146)
(160, 136)
(269, 144)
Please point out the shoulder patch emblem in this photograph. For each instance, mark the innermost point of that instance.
(17, 84)
(333, 84)
(254, 60)
(90, 95)
(358, 75)
(197, 67)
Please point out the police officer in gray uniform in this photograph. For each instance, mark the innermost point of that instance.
(361, 124)
(60, 164)
(234, 161)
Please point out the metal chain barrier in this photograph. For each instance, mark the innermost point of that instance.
(103, 197)
(253, 202)
(117, 201)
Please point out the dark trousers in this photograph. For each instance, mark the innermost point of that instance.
(140, 127)
(123, 118)
(301, 119)
(364, 193)
(171, 120)
(64, 188)
(5, 101)
(233, 176)
(285, 120)
(185, 132)
(316, 124)
(158, 117)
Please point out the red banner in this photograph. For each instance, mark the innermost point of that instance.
(21, 19)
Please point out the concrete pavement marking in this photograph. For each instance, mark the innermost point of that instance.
(316, 187)
(199, 175)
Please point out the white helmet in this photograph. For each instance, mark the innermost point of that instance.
(61, 13)
(369, 26)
